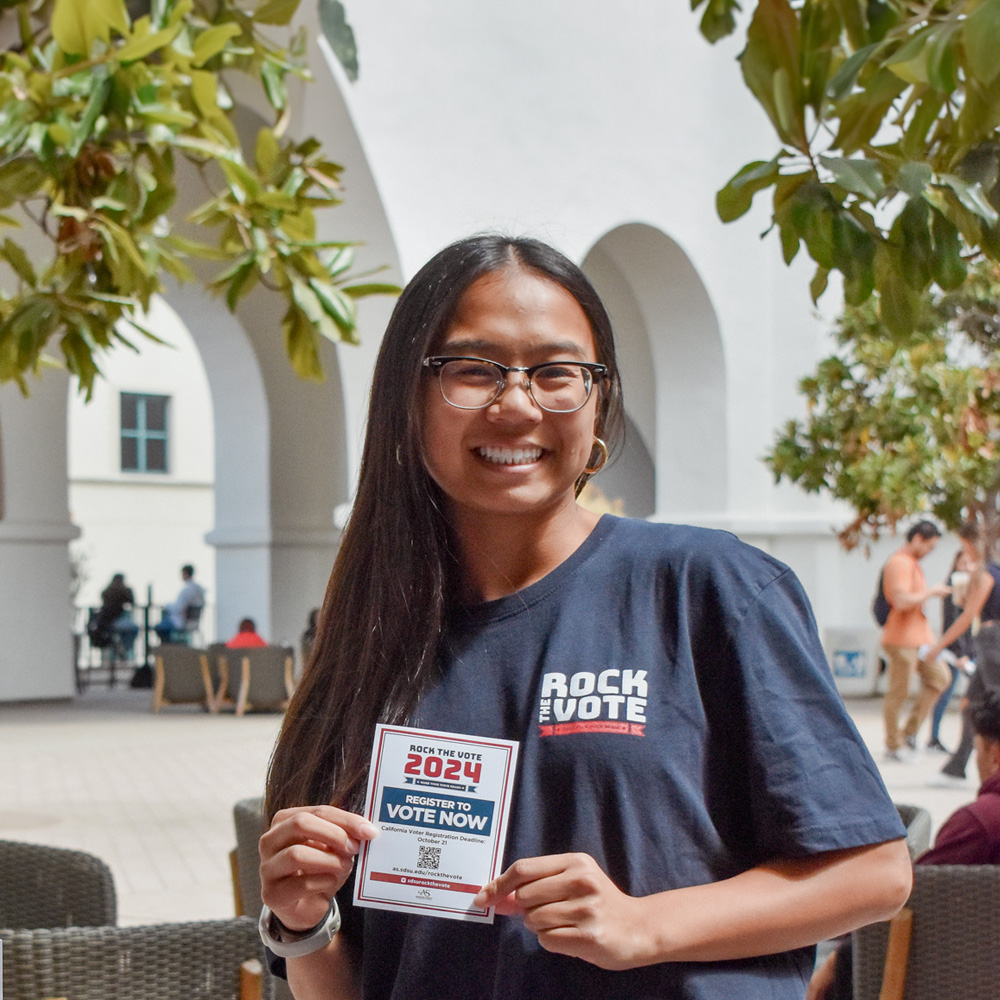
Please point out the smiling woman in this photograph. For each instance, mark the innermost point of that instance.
(693, 808)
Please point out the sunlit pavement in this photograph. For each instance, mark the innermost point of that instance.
(152, 794)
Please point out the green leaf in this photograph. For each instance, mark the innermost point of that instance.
(819, 282)
(76, 25)
(972, 197)
(852, 13)
(266, 152)
(736, 197)
(913, 178)
(19, 261)
(981, 37)
(212, 41)
(335, 306)
(339, 34)
(276, 11)
(139, 46)
(948, 268)
(371, 288)
(95, 105)
(862, 114)
(301, 346)
(273, 78)
(910, 62)
(842, 82)
(856, 175)
(898, 303)
(942, 61)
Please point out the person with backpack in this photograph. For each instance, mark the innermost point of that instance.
(907, 629)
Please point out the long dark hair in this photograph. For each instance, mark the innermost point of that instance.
(380, 624)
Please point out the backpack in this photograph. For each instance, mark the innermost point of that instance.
(880, 606)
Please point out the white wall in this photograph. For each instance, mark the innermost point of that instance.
(145, 525)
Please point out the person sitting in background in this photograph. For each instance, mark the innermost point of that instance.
(246, 636)
(112, 625)
(970, 836)
(182, 615)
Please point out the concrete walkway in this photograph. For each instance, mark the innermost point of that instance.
(152, 794)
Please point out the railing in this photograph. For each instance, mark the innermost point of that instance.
(114, 664)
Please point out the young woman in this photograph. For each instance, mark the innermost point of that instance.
(982, 603)
(961, 648)
(709, 813)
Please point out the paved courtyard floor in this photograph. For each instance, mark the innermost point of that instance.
(152, 794)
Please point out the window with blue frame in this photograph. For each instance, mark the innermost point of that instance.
(144, 432)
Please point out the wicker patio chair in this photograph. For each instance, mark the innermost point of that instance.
(944, 946)
(206, 960)
(917, 821)
(182, 676)
(265, 676)
(44, 886)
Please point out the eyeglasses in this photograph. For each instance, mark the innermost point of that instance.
(475, 383)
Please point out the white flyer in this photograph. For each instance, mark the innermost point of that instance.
(441, 803)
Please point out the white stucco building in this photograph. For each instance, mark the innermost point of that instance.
(605, 131)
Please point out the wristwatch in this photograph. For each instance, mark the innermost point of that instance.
(292, 944)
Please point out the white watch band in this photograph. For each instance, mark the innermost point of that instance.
(291, 944)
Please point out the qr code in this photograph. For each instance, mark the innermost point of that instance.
(430, 857)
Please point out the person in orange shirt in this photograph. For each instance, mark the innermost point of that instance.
(905, 631)
(246, 636)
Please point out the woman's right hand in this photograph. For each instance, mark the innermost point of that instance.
(305, 857)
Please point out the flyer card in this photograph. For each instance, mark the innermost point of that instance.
(441, 802)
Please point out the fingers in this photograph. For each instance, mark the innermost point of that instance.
(523, 872)
(306, 856)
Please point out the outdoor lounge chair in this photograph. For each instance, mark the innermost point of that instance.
(917, 821)
(945, 945)
(182, 676)
(44, 886)
(205, 960)
(265, 677)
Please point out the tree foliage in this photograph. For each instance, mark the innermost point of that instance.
(888, 115)
(902, 425)
(101, 103)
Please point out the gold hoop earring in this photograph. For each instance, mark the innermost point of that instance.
(603, 448)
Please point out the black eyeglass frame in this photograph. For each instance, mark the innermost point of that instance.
(435, 364)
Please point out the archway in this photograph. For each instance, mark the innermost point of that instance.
(673, 373)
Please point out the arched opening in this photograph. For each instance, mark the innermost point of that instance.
(673, 373)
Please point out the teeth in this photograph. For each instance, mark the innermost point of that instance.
(511, 456)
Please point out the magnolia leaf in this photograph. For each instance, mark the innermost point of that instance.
(942, 62)
(273, 78)
(981, 37)
(76, 25)
(19, 261)
(856, 175)
(336, 30)
(913, 178)
(736, 197)
(910, 62)
(972, 197)
(842, 82)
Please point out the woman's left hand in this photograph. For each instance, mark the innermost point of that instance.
(573, 907)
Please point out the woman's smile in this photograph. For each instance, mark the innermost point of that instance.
(510, 456)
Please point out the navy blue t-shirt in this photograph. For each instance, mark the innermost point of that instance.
(677, 721)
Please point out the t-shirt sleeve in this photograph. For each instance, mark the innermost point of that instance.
(813, 784)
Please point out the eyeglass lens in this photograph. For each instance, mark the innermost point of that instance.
(561, 387)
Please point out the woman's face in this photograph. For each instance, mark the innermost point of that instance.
(510, 457)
